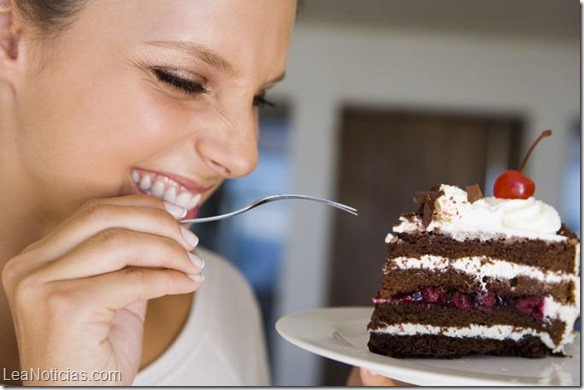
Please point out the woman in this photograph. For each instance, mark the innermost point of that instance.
(117, 119)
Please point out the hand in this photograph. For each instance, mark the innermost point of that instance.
(364, 377)
(78, 296)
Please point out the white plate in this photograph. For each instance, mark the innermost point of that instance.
(340, 333)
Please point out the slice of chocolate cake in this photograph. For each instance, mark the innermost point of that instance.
(472, 275)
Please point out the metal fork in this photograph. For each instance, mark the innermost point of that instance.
(269, 199)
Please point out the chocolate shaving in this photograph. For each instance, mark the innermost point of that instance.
(474, 193)
(427, 200)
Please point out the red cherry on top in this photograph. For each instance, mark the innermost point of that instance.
(514, 184)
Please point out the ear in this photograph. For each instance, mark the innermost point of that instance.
(9, 34)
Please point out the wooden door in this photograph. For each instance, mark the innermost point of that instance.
(385, 157)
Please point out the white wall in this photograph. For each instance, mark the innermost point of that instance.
(329, 66)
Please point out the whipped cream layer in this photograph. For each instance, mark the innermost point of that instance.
(481, 266)
(496, 332)
(487, 218)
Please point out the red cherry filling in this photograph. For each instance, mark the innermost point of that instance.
(484, 301)
(530, 305)
(461, 301)
(431, 294)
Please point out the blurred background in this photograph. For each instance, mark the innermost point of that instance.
(384, 98)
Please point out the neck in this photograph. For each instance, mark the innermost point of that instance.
(19, 228)
(14, 236)
(22, 223)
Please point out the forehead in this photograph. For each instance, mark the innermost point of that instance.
(248, 33)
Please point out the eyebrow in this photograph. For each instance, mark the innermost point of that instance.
(206, 55)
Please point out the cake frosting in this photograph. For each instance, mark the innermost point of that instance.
(488, 217)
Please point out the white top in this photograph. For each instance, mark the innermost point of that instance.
(222, 342)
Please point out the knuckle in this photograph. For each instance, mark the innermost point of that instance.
(113, 237)
(136, 276)
(26, 290)
(11, 273)
(94, 210)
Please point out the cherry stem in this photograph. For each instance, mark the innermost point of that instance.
(545, 133)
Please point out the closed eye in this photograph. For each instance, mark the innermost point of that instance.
(193, 88)
(189, 87)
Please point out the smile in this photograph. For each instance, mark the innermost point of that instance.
(163, 187)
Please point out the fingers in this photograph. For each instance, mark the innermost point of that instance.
(368, 378)
(96, 299)
(122, 288)
(354, 378)
(88, 281)
(132, 212)
(117, 248)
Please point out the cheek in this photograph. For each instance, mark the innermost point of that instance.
(94, 136)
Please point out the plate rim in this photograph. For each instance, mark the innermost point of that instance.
(399, 369)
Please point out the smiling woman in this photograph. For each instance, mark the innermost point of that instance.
(117, 119)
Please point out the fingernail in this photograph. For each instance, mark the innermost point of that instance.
(174, 210)
(189, 236)
(199, 278)
(196, 260)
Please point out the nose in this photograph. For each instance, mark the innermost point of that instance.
(230, 146)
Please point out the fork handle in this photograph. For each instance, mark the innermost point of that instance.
(269, 199)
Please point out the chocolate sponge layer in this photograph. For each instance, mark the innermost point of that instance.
(553, 256)
(451, 348)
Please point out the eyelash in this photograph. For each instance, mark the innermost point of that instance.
(187, 86)
(193, 88)
(261, 101)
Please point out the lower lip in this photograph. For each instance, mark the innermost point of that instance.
(192, 213)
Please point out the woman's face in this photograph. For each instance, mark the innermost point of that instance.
(151, 96)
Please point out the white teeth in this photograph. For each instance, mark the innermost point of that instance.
(158, 188)
(169, 191)
(183, 199)
(195, 201)
(146, 182)
(135, 176)
(170, 195)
